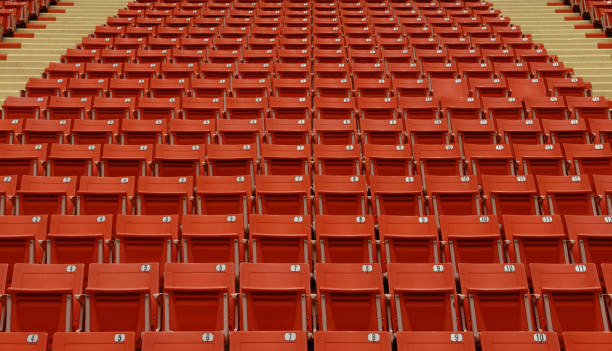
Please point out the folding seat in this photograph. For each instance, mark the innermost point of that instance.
(90, 43)
(461, 108)
(290, 108)
(217, 71)
(190, 132)
(159, 43)
(528, 341)
(19, 240)
(164, 195)
(460, 56)
(234, 160)
(546, 107)
(545, 70)
(224, 195)
(17, 159)
(438, 159)
(41, 131)
(108, 32)
(603, 189)
(136, 37)
(68, 108)
(575, 87)
(117, 56)
(140, 132)
(335, 131)
(103, 195)
(63, 70)
(210, 88)
(574, 341)
(398, 54)
(511, 195)
(377, 108)
(527, 88)
(427, 131)
(430, 55)
(168, 88)
(286, 159)
(124, 294)
(112, 341)
(471, 71)
(280, 238)
(157, 108)
(591, 238)
(11, 130)
(456, 341)
(240, 131)
(337, 159)
(397, 196)
(345, 239)
(73, 160)
(364, 56)
(146, 237)
(449, 87)
(471, 239)
(86, 87)
(294, 71)
(566, 195)
(564, 289)
(588, 107)
(453, 195)
(126, 88)
(423, 297)
(367, 87)
(102, 71)
(340, 195)
(532, 55)
(526, 131)
(291, 87)
(408, 239)
(187, 56)
(169, 340)
(572, 131)
(330, 340)
(332, 88)
(251, 88)
(288, 132)
(23, 341)
(45, 195)
(44, 298)
(140, 70)
(350, 297)
(474, 131)
(512, 70)
(251, 108)
(255, 70)
(439, 70)
(490, 289)
(536, 239)
(419, 107)
(293, 55)
(271, 290)
(410, 88)
(179, 160)
(40, 87)
(601, 130)
(499, 56)
(246, 340)
(489, 159)
(587, 159)
(8, 189)
(193, 290)
(331, 70)
(382, 132)
(540, 159)
(88, 132)
(489, 87)
(367, 70)
(401, 70)
(126, 160)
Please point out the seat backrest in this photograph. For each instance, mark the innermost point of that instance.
(23, 341)
(111, 341)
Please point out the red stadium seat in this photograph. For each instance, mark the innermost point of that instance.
(224, 195)
(280, 238)
(191, 132)
(179, 160)
(489, 159)
(164, 195)
(407, 239)
(491, 288)
(460, 341)
(591, 236)
(397, 196)
(474, 131)
(345, 239)
(73, 160)
(44, 297)
(212, 239)
(438, 159)
(79, 239)
(427, 131)
(566, 195)
(574, 341)
(211, 284)
(8, 189)
(453, 195)
(563, 287)
(10, 130)
(24, 107)
(157, 108)
(23, 341)
(503, 108)
(527, 341)
(86, 132)
(357, 291)
(331, 340)
(145, 238)
(275, 296)
(588, 107)
(40, 131)
(247, 340)
(335, 131)
(419, 107)
(541, 107)
(587, 159)
(45, 195)
(111, 341)
(124, 294)
(288, 131)
(165, 341)
(283, 194)
(603, 190)
(337, 160)
(379, 131)
(19, 238)
(140, 132)
(525, 87)
(526, 131)
(285, 159)
(340, 195)
(423, 297)
(510, 195)
(539, 159)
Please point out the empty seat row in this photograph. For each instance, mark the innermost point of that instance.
(349, 297)
(286, 238)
